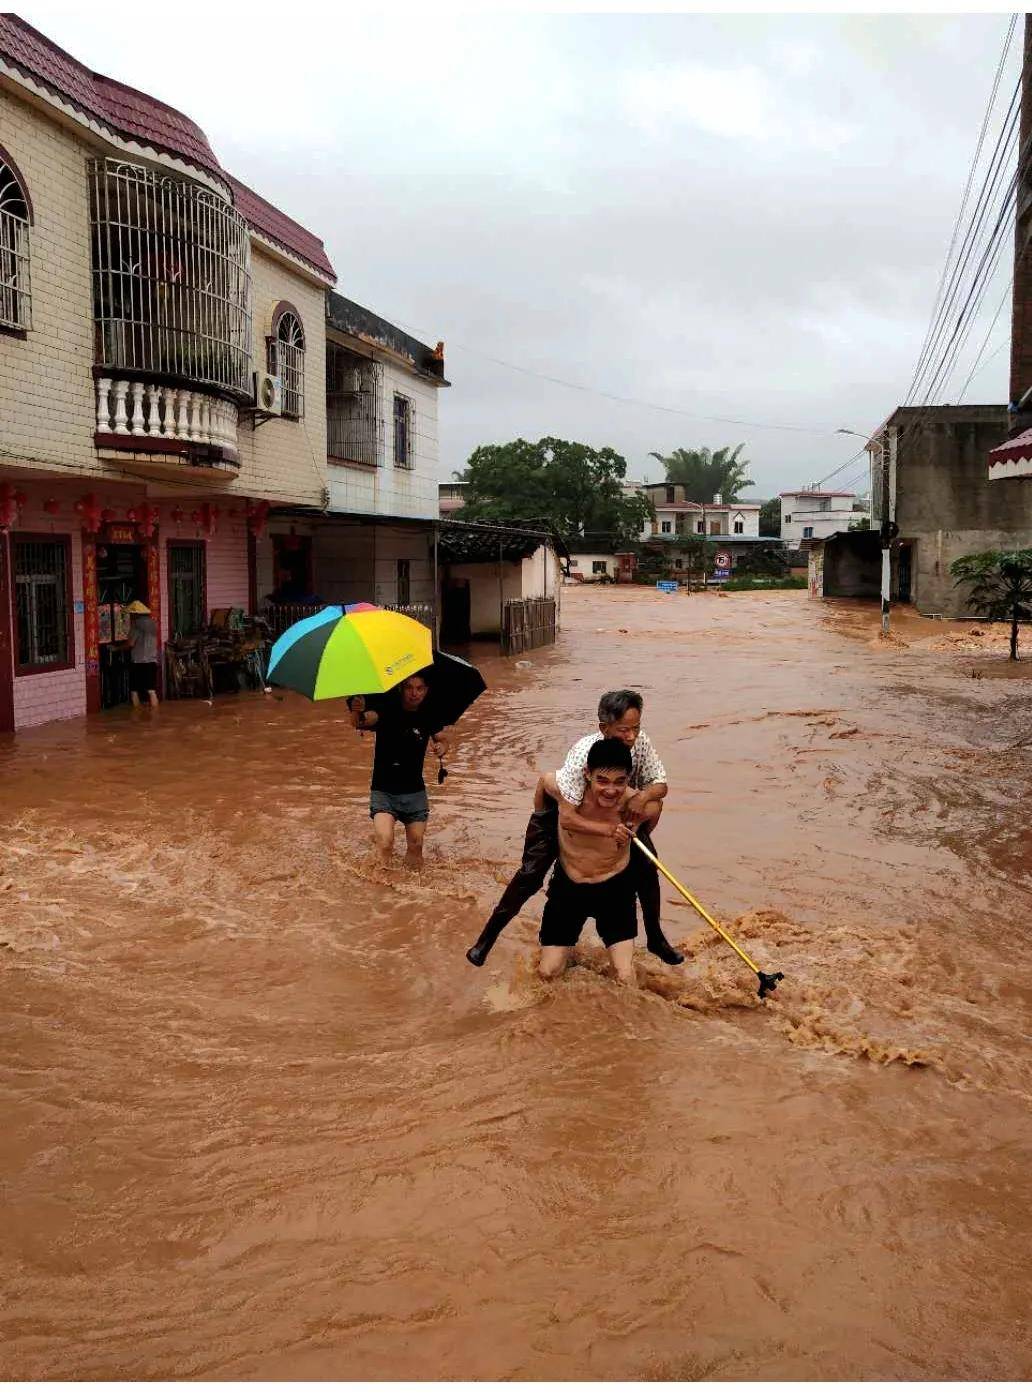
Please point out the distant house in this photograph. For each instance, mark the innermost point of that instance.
(450, 497)
(677, 516)
(811, 514)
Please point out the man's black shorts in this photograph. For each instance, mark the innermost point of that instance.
(610, 904)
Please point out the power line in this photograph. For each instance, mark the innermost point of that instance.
(985, 341)
(617, 397)
(967, 190)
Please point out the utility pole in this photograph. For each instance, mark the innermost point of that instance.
(1021, 303)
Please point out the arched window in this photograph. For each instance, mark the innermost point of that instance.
(287, 357)
(15, 217)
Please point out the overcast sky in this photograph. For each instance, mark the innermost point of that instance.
(738, 216)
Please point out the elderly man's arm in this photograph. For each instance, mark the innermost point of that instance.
(573, 821)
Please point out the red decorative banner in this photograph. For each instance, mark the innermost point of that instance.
(90, 622)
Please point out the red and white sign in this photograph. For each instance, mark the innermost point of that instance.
(722, 561)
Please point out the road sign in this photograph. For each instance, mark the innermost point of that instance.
(666, 585)
(721, 573)
(722, 562)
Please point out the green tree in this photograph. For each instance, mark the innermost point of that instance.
(770, 519)
(705, 473)
(571, 487)
(1000, 586)
(859, 525)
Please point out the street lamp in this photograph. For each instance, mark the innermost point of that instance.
(887, 525)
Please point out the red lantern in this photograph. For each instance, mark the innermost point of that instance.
(147, 516)
(132, 515)
(90, 511)
(257, 517)
(176, 514)
(51, 506)
(12, 501)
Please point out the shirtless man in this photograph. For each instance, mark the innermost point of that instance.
(619, 715)
(594, 877)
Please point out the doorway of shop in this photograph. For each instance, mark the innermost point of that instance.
(121, 578)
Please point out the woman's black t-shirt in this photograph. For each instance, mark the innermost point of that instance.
(401, 741)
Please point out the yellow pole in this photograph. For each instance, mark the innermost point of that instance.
(694, 904)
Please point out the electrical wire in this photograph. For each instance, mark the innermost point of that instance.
(967, 189)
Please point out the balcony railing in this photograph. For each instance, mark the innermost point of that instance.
(153, 416)
(280, 617)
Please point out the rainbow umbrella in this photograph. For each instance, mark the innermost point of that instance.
(344, 650)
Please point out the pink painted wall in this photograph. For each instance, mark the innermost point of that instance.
(46, 697)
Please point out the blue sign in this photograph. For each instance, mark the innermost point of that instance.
(666, 585)
(721, 573)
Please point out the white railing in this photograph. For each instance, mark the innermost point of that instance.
(135, 409)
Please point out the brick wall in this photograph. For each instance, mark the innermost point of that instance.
(286, 460)
(46, 389)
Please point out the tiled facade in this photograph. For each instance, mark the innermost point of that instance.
(55, 118)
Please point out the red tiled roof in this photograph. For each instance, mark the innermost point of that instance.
(1017, 448)
(124, 110)
(280, 229)
(135, 115)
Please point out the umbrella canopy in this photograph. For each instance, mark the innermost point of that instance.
(454, 686)
(345, 650)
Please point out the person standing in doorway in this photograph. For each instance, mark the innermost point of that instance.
(143, 646)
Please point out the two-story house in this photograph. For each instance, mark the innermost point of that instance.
(811, 514)
(145, 295)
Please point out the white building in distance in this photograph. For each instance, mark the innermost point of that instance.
(811, 513)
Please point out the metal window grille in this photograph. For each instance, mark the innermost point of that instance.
(40, 590)
(287, 360)
(171, 266)
(402, 431)
(15, 297)
(354, 417)
(186, 567)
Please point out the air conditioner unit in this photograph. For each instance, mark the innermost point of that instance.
(268, 394)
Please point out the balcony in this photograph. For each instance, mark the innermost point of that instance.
(171, 279)
(157, 419)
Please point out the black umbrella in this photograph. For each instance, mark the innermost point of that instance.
(454, 686)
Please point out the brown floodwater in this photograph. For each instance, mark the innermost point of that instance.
(262, 1120)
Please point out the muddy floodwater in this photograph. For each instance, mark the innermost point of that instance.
(260, 1119)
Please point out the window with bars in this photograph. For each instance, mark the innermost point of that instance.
(171, 264)
(402, 431)
(354, 407)
(599, 568)
(15, 298)
(186, 588)
(287, 361)
(42, 602)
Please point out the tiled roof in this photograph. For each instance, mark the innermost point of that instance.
(277, 227)
(126, 111)
(136, 116)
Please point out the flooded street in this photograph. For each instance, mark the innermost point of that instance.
(262, 1120)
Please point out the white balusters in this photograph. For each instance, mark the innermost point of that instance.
(103, 408)
(121, 426)
(129, 408)
(153, 422)
(137, 395)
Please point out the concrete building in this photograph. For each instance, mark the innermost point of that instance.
(678, 516)
(144, 295)
(450, 497)
(942, 500)
(811, 513)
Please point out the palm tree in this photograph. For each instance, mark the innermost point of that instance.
(705, 473)
(1001, 586)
